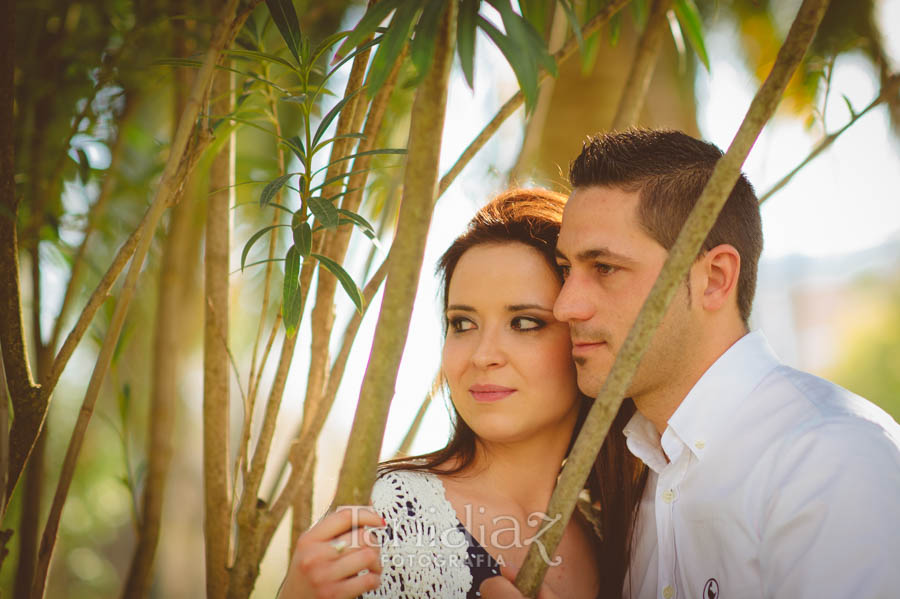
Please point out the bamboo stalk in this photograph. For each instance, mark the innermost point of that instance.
(429, 107)
(406, 444)
(216, 402)
(164, 195)
(638, 82)
(681, 256)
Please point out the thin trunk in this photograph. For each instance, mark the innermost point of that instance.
(410, 436)
(645, 59)
(174, 173)
(28, 530)
(302, 506)
(426, 129)
(681, 256)
(216, 397)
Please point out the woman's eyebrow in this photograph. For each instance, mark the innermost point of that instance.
(461, 308)
(520, 307)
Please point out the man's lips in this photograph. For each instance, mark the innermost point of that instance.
(489, 393)
(580, 348)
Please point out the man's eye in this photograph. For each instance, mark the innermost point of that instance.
(605, 269)
(527, 323)
(461, 325)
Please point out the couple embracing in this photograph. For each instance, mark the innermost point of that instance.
(725, 474)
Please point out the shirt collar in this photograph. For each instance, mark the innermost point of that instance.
(703, 412)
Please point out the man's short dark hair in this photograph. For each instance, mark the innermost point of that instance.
(669, 170)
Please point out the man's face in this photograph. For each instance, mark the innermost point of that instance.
(609, 264)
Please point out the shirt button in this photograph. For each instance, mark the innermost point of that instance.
(668, 592)
(700, 444)
(668, 495)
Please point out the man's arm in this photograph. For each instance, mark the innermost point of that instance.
(831, 527)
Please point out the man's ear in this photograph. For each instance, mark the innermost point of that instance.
(719, 270)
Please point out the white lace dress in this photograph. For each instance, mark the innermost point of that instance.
(426, 553)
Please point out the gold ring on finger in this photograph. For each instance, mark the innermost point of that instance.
(339, 545)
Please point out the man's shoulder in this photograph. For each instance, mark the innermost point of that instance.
(804, 405)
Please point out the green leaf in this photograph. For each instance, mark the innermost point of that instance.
(324, 211)
(325, 142)
(343, 278)
(535, 11)
(332, 114)
(302, 233)
(124, 404)
(592, 51)
(325, 44)
(569, 11)
(640, 13)
(84, 165)
(253, 239)
(272, 189)
(466, 21)
(290, 308)
(849, 106)
(523, 66)
(257, 56)
(692, 28)
(296, 146)
(355, 219)
(421, 49)
(385, 151)
(523, 35)
(285, 18)
(366, 26)
(615, 29)
(337, 178)
(301, 99)
(391, 45)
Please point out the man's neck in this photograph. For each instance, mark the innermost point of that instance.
(658, 403)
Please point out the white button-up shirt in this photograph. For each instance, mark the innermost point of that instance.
(767, 482)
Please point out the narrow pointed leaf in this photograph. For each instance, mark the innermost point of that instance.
(383, 152)
(692, 28)
(289, 310)
(272, 188)
(572, 17)
(301, 99)
(391, 45)
(256, 56)
(302, 233)
(285, 18)
(337, 178)
(849, 106)
(332, 114)
(357, 220)
(375, 14)
(324, 211)
(296, 146)
(535, 11)
(325, 44)
(325, 142)
(421, 49)
(253, 239)
(640, 13)
(522, 65)
(466, 21)
(343, 278)
(522, 35)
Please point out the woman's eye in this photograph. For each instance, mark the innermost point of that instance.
(563, 270)
(461, 325)
(527, 323)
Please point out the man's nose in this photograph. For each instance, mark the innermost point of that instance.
(489, 351)
(573, 302)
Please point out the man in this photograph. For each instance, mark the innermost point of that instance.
(764, 481)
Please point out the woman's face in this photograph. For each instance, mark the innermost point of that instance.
(507, 361)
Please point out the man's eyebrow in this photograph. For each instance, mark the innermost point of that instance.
(595, 253)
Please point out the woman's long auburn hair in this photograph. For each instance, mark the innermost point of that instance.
(616, 483)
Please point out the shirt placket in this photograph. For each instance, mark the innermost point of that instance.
(667, 495)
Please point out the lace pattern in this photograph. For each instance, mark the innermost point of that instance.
(423, 548)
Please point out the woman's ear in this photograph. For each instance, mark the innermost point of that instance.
(720, 268)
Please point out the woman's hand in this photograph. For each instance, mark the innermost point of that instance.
(503, 587)
(329, 558)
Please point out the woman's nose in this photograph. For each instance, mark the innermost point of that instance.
(489, 351)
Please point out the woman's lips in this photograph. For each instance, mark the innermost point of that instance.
(489, 393)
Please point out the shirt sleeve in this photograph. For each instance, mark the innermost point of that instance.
(831, 527)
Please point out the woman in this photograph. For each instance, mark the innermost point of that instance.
(447, 521)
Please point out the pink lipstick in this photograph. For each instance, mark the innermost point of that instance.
(490, 393)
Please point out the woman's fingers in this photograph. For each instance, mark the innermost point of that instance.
(352, 587)
(343, 519)
(366, 558)
(497, 587)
